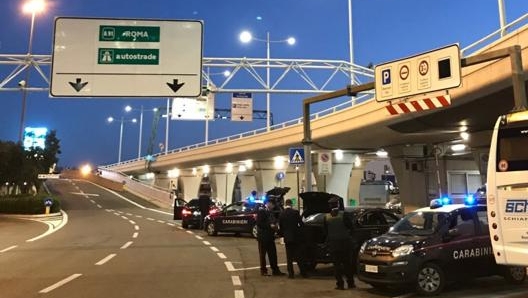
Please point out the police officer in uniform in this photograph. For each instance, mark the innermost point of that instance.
(266, 229)
(340, 244)
(290, 225)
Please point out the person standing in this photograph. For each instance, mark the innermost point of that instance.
(266, 229)
(340, 244)
(290, 227)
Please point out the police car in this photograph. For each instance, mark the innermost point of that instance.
(239, 217)
(433, 246)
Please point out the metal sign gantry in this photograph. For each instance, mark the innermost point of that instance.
(308, 76)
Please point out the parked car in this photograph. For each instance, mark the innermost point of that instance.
(368, 223)
(433, 246)
(239, 217)
(179, 204)
(194, 211)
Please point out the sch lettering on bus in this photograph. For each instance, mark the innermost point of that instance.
(516, 206)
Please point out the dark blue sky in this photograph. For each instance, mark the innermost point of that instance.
(384, 30)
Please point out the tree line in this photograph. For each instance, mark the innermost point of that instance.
(19, 168)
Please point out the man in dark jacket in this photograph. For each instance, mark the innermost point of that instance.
(340, 245)
(290, 224)
(266, 229)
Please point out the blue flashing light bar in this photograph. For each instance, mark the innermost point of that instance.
(470, 200)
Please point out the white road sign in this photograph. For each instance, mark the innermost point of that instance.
(201, 108)
(126, 58)
(419, 74)
(242, 107)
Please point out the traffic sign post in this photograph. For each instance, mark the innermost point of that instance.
(242, 107)
(432, 71)
(296, 156)
(48, 202)
(95, 57)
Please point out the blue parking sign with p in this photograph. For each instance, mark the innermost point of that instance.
(386, 76)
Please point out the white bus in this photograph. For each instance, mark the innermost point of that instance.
(507, 189)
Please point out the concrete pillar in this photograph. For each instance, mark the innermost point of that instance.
(248, 183)
(354, 181)
(191, 184)
(338, 181)
(225, 183)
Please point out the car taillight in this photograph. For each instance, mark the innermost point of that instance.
(213, 211)
(186, 212)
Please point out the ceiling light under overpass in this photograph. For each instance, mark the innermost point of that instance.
(382, 153)
(458, 147)
(338, 154)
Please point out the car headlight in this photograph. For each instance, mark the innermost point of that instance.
(362, 248)
(402, 250)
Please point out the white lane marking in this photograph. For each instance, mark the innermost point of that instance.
(251, 268)
(129, 214)
(135, 235)
(109, 210)
(106, 259)
(214, 249)
(236, 280)
(171, 224)
(77, 187)
(81, 193)
(139, 216)
(405, 295)
(99, 206)
(239, 293)
(124, 217)
(229, 266)
(60, 283)
(126, 245)
(180, 228)
(190, 232)
(115, 213)
(151, 219)
(132, 222)
(199, 237)
(92, 201)
(206, 242)
(50, 228)
(131, 202)
(221, 255)
(136, 227)
(120, 212)
(8, 249)
(161, 221)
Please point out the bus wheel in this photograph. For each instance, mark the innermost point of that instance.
(514, 274)
(431, 279)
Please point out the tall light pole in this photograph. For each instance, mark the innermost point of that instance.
(32, 7)
(350, 42)
(121, 128)
(246, 37)
(128, 109)
(502, 17)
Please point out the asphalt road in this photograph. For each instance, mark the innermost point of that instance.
(114, 246)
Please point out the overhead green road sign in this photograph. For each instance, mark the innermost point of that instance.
(129, 56)
(129, 33)
(99, 57)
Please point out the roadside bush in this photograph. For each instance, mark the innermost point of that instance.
(25, 204)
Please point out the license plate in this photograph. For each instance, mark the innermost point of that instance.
(371, 268)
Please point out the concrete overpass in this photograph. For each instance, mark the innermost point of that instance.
(411, 139)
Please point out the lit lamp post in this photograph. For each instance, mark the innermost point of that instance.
(110, 120)
(225, 73)
(32, 7)
(128, 109)
(246, 37)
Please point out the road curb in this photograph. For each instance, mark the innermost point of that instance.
(31, 216)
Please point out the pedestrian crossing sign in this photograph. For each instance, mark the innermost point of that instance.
(296, 156)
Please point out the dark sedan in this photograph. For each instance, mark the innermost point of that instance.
(239, 217)
(195, 210)
(368, 223)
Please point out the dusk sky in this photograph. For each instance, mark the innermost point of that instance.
(383, 30)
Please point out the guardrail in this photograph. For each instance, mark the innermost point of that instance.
(466, 51)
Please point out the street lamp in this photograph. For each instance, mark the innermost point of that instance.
(122, 121)
(246, 37)
(32, 7)
(128, 109)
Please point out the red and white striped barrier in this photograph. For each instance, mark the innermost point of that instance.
(419, 105)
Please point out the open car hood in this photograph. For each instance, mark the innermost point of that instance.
(317, 202)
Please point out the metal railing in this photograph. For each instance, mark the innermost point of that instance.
(466, 51)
